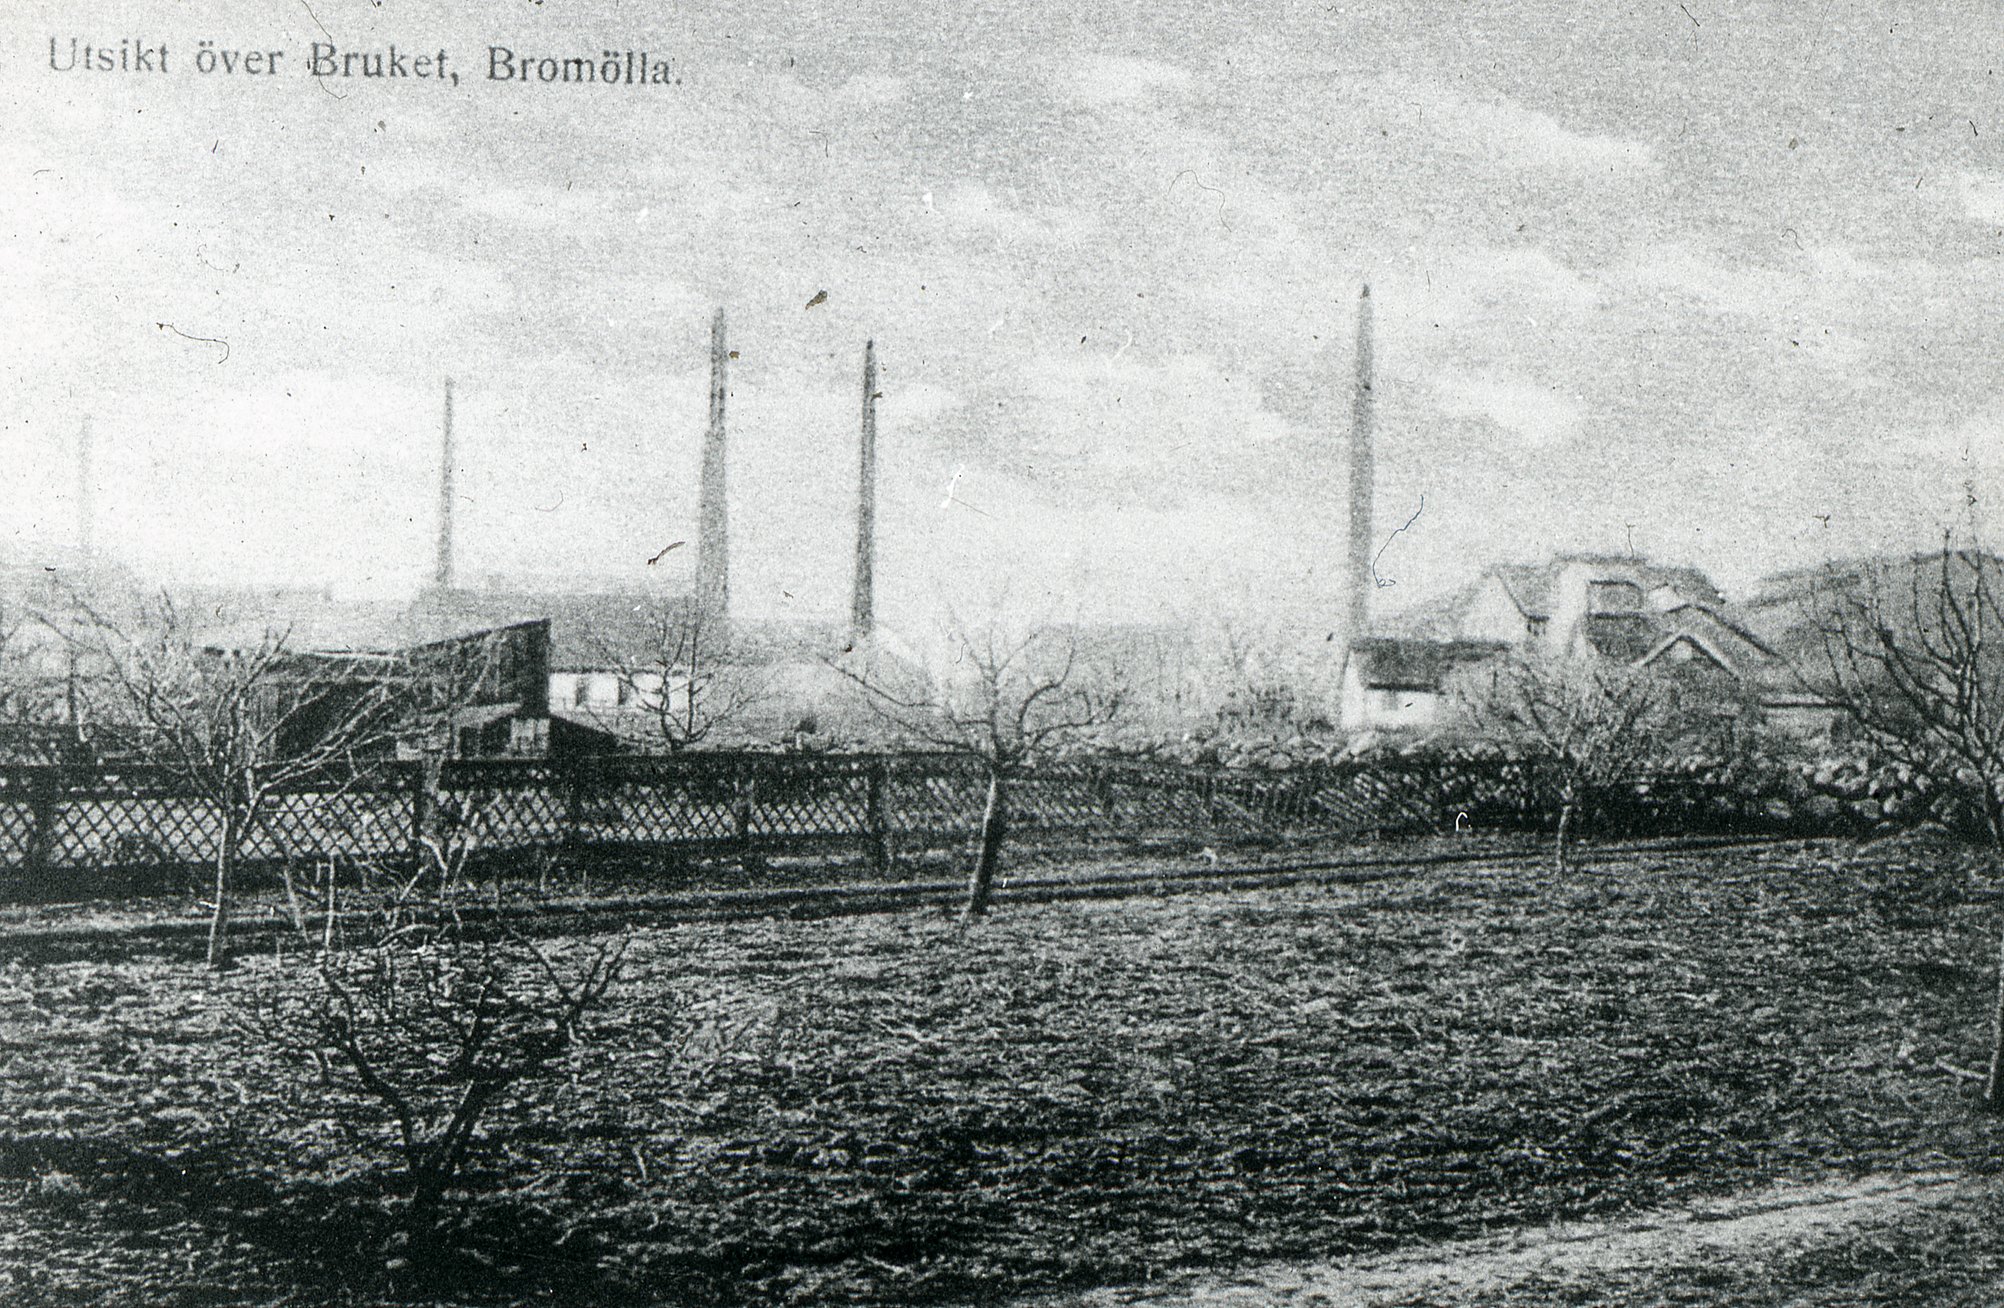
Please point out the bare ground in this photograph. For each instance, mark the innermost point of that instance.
(1578, 1262)
(894, 1109)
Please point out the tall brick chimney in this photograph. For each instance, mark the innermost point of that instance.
(86, 498)
(862, 602)
(713, 565)
(1362, 579)
(441, 575)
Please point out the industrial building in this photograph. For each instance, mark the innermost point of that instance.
(1621, 608)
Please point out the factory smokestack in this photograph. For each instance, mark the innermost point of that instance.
(713, 564)
(86, 503)
(862, 605)
(442, 566)
(1363, 580)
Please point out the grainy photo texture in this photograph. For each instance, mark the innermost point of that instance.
(809, 654)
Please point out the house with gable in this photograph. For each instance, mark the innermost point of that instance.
(1622, 609)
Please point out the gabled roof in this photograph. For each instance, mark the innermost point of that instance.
(1531, 586)
(1693, 616)
(1436, 618)
(1711, 652)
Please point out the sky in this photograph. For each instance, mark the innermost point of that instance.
(1715, 283)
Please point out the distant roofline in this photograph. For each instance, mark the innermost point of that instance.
(232, 642)
(1642, 563)
(1845, 569)
(1459, 644)
(1459, 650)
(1496, 571)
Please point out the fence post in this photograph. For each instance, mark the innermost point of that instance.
(574, 805)
(876, 807)
(744, 795)
(43, 790)
(420, 800)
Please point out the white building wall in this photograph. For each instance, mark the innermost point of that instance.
(1374, 708)
(610, 692)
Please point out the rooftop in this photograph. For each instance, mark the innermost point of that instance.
(1415, 663)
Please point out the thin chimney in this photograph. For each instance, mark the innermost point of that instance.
(86, 503)
(862, 608)
(86, 507)
(442, 568)
(713, 564)
(1363, 578)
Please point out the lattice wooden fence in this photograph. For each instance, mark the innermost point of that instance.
(55, 818)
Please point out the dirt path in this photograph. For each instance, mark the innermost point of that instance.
(1744, 1227)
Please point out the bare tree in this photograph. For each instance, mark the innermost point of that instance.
(31, 690)
(680, 678)
(1911, 653)
(1590, 722)
(427, 1038)
(48, 684)
(237, 725)
(1005, 700)
(1260, 680)
(438, 685)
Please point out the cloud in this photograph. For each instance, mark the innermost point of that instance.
(1682, 271)
(1823, 303)
(1537, 413)
(542, 208)
(1968, 445)
(1506, 128)
(1530, 279)
(1501, 128)
(1474, 304)
(1982, 196)
(919, 403)
(868, 89)
(970, 207)
(1109, 423)
(1103, 80)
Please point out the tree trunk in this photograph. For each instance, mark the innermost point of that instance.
(1993, 1084)
(333, 908)
(424, 798)
(226, 867)
(994, 826)
(744, 800)
(292, 905)
(1563, 848)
